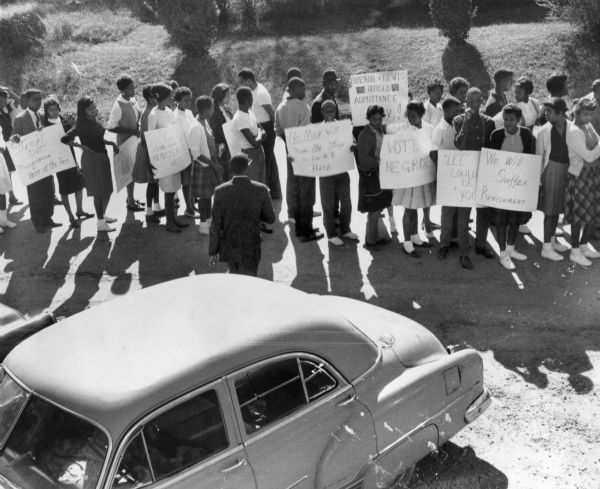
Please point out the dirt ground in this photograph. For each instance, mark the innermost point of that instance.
(537, 329)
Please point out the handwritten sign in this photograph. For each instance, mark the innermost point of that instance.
(508, 180)
(457, 178)
(404, 160)
(232, 142)
(321, 150)
(122, 163)
(168, 150)
(388, 89)
(41, 154)
(5, 183)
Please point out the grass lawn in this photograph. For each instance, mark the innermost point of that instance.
(84, 54)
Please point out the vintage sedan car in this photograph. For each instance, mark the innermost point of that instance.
(222, 381)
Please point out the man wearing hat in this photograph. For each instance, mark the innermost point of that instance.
(330, 86)
(300, 191)
(265, 116)
(503, 79)
(239, 207)
(551, 145)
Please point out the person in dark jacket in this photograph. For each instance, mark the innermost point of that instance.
(515, 139)
(503, 79)
(221, 94)
(239, 207)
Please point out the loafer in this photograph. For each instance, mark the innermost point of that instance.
(135, 208)
(53, 224)
(413, 253)
(466, 262)
(181, 224)
(484, 252)
(443, 252)
(152, 219)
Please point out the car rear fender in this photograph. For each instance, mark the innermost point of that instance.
(421, 395)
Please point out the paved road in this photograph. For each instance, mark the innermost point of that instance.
(537, 328)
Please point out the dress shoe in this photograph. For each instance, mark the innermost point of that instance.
(109, 220)
(550, 253)
(135, 208)
(53, 224)
(484, 252)
(311, 237)
(423, 244)
(453, 244)
(576, 256)
(466, 262)
(336, 241)
(350, 235)
(191, 214)
(514, 254)
(172, 229)
(84, 215)
(160, 213)
(180, 224)
(409, 249)
(103, 227)
(443, 252)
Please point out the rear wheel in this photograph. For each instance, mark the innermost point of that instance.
(403, 480)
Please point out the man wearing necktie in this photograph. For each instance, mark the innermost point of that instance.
(40, 193)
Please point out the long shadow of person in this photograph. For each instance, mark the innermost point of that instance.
(310, 272)
(273, 246)
(464, 59)
(57, 267)
(345, 276)
(87, 277)
(26, 253)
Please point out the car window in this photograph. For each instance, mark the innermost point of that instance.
(185, 435)
(134, 468)
(317, 379)
(269, 392)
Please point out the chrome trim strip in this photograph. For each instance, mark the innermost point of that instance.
(297, 482)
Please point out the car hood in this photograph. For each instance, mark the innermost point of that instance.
(412, 343)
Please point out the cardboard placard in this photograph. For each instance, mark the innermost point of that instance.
(508, 180)
(388, 89)
(321, 150)
(40, 154)
(168, 150)
(457, 178)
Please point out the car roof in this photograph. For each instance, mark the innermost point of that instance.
(117, 361)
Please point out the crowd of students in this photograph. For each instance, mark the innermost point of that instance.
(566, 138)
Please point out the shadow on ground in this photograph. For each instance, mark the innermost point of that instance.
(464, 59)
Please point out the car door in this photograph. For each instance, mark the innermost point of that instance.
(301, 424)
(191, 443)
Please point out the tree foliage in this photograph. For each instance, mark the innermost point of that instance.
(452, 17)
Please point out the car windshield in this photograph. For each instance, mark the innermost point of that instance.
(47, 447)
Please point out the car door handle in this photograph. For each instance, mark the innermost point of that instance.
(350, 400)
(240, 463)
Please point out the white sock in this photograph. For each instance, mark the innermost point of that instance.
(156, 207)
(149, 212)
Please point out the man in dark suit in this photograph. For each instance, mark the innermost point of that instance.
(40, 193)
(238, 209)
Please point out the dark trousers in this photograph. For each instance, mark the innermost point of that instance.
(41, 201)
(292, 191)
(243, 268)
(333, 189)
(304, 209)
(270, 162)
(205, 208)
(455, 219)
(483, 224)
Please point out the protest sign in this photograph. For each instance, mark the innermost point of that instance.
(404, 160)
(5, 183)
(508, 180)
(388, 89)
(321, 150)
(122, 163)
(168, 150)
(41, 154)
(457, 178)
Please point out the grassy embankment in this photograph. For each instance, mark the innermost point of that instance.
(85, 52)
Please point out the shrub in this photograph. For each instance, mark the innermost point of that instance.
(279, 9)
(21, 32)
(248, 13)
(63, 31)
(191, 23)
(452, 17)
(224, 10)
(582, 13)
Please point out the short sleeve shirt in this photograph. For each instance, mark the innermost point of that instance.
(243, 120)
(261, 97)
(443, 136)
